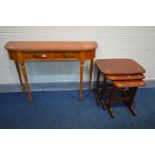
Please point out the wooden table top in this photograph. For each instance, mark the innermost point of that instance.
(119, 66)
(130, 83)
(50, 45)
(125, 77)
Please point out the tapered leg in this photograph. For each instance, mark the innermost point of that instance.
(26, 81)
(110, 102)
(98, 95)
(131, 106)
(103, 93)
(91, 73)
(97, 87)
(19, 75)
(81, 77)
(104, 86)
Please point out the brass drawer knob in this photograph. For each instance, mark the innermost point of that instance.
(66, 55)
(40, 55)
(43, 55)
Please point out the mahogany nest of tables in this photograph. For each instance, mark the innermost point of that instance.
(125, 75)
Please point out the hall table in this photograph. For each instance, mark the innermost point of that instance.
(22, 51)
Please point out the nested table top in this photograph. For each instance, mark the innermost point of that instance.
(125, 77)
(119, 66)
(130, 83)
(50, 45)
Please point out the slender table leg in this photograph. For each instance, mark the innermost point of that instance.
(81, 77)
(19, 75)
(131, 106)
(97, 88)
(110, 102)
(26, 81)
(104, 87)
(91, 73)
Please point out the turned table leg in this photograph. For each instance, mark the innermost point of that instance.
(91, 73)
(26, 80)
(81, 77)
(19, 76)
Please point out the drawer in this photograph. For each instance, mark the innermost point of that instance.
(66, 55)
(37, 56)
(52, 56)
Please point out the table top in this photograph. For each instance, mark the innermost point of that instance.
(130, 83)
(125, 77)
(119, 66)
(50, 46)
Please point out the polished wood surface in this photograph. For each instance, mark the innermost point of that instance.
(22, 51)
(125, 77)
(51, 46)
(119, 66)
(128, 83)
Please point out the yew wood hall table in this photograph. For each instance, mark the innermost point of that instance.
(22, 51)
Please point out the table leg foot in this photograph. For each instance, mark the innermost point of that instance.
(111, 113)
(81, 97)
(103, 104)
(133, 110)
(98, 101)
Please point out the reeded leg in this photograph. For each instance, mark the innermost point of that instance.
(81, 77)
(26, 81)
(19, 75)
(91, 73)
